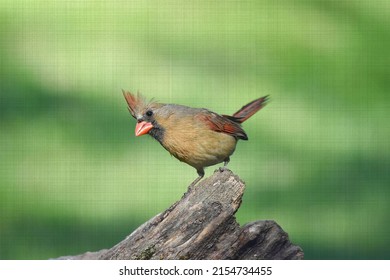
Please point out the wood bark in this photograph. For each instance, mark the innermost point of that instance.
(202, 226)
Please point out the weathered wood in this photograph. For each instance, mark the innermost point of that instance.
(202, 226)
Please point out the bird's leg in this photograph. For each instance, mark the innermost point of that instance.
(201, 174)
(223, 168)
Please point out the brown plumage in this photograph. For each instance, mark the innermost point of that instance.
(196, 136)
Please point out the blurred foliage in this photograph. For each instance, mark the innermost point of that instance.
(73, 177)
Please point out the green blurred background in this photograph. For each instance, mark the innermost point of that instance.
(73, 177)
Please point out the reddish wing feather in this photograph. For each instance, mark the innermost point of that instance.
(231, 124)
(222, 124)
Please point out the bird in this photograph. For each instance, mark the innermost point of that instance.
(196, 136)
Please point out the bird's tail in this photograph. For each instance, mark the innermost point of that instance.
(249, 110)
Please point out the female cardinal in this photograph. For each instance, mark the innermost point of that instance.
(196, 136)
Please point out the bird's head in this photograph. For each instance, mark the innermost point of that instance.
(143, 111)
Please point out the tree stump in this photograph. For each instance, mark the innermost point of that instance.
(202, 226)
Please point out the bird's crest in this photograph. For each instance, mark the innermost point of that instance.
(137, 104)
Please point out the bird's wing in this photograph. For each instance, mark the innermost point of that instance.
(222, 124)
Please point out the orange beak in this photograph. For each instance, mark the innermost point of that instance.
(142, 128)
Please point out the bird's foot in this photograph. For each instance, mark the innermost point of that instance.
(189, 189)
(193, 184)
(223, 168)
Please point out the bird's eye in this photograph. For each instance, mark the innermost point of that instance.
(149, 113)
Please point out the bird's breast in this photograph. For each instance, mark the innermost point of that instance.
(199, 147)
